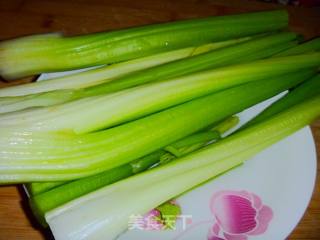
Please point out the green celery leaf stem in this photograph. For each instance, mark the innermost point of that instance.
(104, 111)
(199, 140)
(26, 57)
(41, 203)
(58, 195)
(45, 201)
(268, 52)
(36, 188)
(136, 166)
(226, 125)
(192, 142)
(305, 47)
(259, 47)
(302, 92)
(110, 72)
(196, 138)
(85, 141)
(48, 41)
(212, 59)
(96, 152)
(154, 187)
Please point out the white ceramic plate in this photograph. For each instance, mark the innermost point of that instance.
(263, 199)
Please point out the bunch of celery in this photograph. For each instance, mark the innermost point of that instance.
(111, 72)
(144, 124)
(177, 149)
(63, 155)
(302, 92)
(52, 52)
(258, 47)
(180, 62)
(103, 111)
(47, 196)
(107, 210)
(50, 195)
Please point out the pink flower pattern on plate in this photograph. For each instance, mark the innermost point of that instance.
(238, 214)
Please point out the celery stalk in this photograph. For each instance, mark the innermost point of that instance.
(309, 46)
(226, 125)
(196, 141)
(110, 72)
(104, 111)
(35, 188)
(44, 202)
(51, 53)
(302, 92)
(259, 47)
(40, 190)
(40, 156)
(107, 210)
(268, 52)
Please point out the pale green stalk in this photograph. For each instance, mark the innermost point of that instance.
(52, 53)
(306, 90)
(245, 51)
(107, 210)
(305, 47)
(110, 72)
(100, 112)
(182, 146)
(35, 156)
(45, 201)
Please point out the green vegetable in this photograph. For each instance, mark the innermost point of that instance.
(60, 192)
(302, 92)
(309, 46)
(110, 72)
(183, 146)
(197, 140)
(194, 139)
(40, 187)
(107, 210)
(45, 201)
(55, 156)
(51, 52)
(104, 111)
(226, 125)
(259, 47)
(177, 149)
